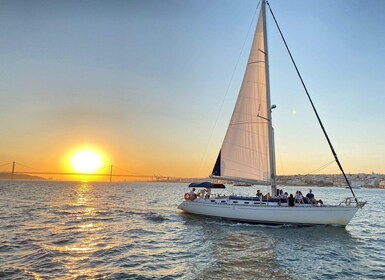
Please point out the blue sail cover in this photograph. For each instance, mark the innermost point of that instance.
(207, 185)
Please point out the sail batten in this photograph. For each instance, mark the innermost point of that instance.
(245, 152)
(240, 180)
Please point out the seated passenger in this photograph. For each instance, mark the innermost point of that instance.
(303, 197)
(281, 195)
(299, 197)
(193, 194)
(291, 200)
(208, 193)
(259, 194)
(310, 197)
(202, 193)
(268, 196)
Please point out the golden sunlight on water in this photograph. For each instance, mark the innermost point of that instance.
(81, 250)
(80, 224)
(82, 194)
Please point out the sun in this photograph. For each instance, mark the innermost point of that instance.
(86, 161)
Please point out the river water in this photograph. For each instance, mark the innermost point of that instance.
(81, 230)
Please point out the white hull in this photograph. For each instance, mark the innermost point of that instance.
(256, 212)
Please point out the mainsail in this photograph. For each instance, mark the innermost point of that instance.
(246, 153)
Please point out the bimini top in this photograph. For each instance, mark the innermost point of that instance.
(207, 185)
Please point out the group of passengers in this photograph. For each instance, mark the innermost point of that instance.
(280, 197)
(204, 193)
(298, 198)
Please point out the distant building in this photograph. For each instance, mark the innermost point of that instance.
(358, 183)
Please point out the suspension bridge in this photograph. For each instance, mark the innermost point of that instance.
(12, 171)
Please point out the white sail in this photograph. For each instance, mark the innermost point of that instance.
(245, 152)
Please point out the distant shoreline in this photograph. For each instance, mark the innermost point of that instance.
(8, 176)
(360, 180)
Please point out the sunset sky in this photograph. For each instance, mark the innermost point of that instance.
(149, 83)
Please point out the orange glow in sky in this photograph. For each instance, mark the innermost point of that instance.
(147, 87)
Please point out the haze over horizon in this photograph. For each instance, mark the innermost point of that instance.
(148, 84)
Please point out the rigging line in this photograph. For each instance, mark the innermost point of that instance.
(320, 168)
(228, 87)
(6, 164)
(313, 106)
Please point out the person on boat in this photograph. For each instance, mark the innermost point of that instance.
(202, 193)
(311, 199)
(281, 197)
(299, 197)
(208, 194)
(259, 194)
(193, 194)
(268, 196)
(303, 197)
(291, 200)
(280, 193)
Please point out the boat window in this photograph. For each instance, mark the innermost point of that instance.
(212, 200)
(223, 201)
(246, 203)
(235, 201)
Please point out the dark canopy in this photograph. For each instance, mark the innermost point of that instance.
(206, 185)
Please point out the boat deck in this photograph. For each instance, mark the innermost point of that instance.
(247, 200)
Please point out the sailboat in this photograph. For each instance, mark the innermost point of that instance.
(247, 155)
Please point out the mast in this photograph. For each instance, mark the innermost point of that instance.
(269, 107)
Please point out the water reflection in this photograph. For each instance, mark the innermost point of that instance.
(82, 193)
(77, 236)
(248, 251)
(227, 250)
